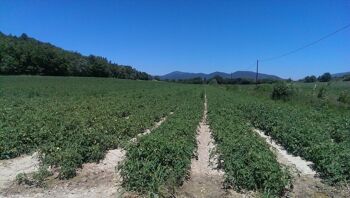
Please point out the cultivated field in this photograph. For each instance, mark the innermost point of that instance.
(81, 137)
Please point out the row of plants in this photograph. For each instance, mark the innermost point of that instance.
(160, 161)
(71, 121)
(321, 136)
(245, 157)
(317, 133)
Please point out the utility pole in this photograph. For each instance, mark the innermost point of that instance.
(257, 72)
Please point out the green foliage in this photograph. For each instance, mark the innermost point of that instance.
(34, 179)
(281, 91)
(322, 93)
(159, 161)
(326, 77)
(317, 135)
(213, 81)
(320, 135)
(344, 97)
(347, 78)
(310, 79)
(71, 121)
(245, 157)
(25, 55)
(22, 178)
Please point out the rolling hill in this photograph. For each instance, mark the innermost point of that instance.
(178, 75)
(29, 56)
(340, 75)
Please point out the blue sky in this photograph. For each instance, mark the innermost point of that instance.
(194, 36)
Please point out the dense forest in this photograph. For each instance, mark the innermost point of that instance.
(25, 55)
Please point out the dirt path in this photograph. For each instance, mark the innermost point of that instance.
(205, 180)
(93, 180)
(305, 180)
(10, 168)
(284, 157)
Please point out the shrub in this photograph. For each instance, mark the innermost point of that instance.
(344, 97)
(281, 91)
(213, 82)
(322, 93)
(326, 77)
(347, 78)
(23, 178)
(36, 179)
(310, 79)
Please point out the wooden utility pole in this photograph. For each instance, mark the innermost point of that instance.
(257, 72)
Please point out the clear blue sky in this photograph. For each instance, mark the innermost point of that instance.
(194, 36)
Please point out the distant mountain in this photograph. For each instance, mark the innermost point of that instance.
(340, 75)
(177, 75)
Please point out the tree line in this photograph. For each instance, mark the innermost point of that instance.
(25, 55)
(326, 77)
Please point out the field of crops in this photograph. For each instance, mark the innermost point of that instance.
(71, 121)
(318, 94)
(320, 135)
(246, 158)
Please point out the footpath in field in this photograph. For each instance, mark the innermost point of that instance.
(205, 180)
(284, 157)
(305, 180)
(92, 180)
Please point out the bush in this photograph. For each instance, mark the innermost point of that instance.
(347, 78)
(322, 93)
(326, 77)
(281, 91)
(310, 79)
(23, 178)
(36, 179)
(213, 82)
(344, 97)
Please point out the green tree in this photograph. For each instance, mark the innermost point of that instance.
(310, 79)
(326, 77)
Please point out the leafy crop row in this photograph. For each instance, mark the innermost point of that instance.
(246, 158)
(71, 121)
(160, 160)
(322, 137)
(317, 133)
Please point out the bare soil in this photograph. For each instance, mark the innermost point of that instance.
(10, 168)
(92, 180)
(205, 179)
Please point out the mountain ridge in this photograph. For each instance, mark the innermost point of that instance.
(178, 75)
(340, 75)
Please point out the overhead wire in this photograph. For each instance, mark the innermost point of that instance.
(306, 45)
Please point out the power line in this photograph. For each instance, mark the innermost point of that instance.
(307, 45)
